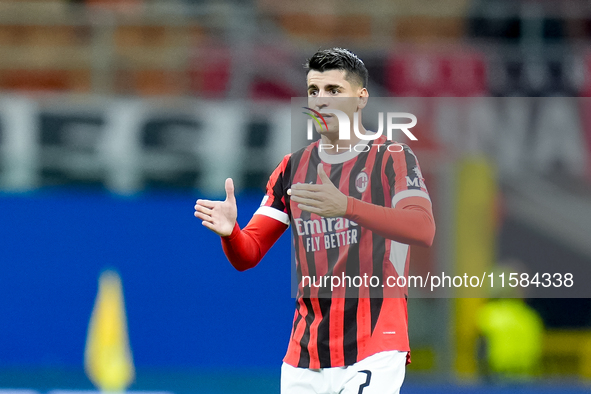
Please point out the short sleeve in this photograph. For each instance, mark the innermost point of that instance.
(273, 204)
(404, 176)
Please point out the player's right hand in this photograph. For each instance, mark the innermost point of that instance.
(219, 216)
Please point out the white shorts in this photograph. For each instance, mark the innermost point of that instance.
(381, 373)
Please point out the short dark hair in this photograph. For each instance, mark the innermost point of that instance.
(339, 59)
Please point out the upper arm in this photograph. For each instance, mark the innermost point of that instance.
(404, 176)
(273, 204)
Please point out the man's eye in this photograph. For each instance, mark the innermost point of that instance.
(334, 91)
(312, 92)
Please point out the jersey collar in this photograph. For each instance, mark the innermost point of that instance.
(342, 157)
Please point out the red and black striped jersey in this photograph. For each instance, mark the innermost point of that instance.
(343, 326)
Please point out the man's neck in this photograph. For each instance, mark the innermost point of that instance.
(334, 146)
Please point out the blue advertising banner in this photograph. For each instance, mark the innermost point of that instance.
(186, 305)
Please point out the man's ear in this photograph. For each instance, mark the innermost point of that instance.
(363, 96)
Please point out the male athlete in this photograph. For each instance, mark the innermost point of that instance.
(355, 206)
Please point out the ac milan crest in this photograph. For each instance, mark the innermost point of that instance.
(361, 182)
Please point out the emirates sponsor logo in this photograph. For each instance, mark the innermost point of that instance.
(324, 225)
(327, 233)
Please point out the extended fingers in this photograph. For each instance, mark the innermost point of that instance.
(203, 216)
(206, 203)
(208, 225)
(306, 186)
(203, 209)
(310, 208)
(312, 195)
(306, 204)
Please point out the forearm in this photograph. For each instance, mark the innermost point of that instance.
(411, 223)
(245, 248)
(242, 251)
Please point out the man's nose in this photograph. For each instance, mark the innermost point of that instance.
(321, 100)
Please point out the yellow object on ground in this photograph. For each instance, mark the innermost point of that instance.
(107, 358)
(514, 335)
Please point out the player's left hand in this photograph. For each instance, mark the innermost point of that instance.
(323, 199)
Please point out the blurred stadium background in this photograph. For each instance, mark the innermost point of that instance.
(116, 115)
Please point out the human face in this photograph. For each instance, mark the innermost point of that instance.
(330, 89)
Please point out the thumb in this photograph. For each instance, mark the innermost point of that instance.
(323, 177)
(230, 190)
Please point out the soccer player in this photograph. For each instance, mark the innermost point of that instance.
(355, 206)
